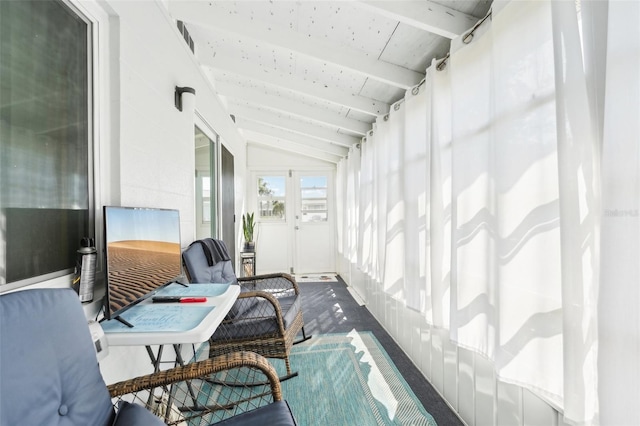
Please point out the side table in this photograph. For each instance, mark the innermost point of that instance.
(248, 263)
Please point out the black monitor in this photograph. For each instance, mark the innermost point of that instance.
(142, 254)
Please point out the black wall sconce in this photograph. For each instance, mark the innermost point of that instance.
(177, 97)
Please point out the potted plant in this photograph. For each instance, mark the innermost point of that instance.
(248, 226)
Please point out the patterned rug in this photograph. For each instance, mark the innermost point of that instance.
(314, 278)
(348, 379)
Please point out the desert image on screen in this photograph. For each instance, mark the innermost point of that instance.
(138, 267)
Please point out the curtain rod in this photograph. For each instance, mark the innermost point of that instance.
(441, 65)
(466, 40)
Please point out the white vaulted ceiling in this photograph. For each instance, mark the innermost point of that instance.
(312, 76)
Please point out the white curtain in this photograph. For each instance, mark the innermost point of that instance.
(506, 274)
(365, 212)
(438, 181)
(415, 165)
(503, 202)
(619, 304)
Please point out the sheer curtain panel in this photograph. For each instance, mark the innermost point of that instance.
(501, 200)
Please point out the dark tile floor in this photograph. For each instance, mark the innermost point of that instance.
(329, 308)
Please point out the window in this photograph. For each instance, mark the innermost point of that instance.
(313, 198)
(45, 139)
(271, 197)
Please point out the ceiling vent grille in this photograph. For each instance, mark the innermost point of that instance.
(187, 37)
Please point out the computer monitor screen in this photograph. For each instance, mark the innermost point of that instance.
(142, 254)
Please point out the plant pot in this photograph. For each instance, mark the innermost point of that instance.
(249, 246)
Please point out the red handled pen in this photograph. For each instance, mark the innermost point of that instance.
(193, 299)
(178, 299)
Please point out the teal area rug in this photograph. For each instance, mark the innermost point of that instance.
(348, 379)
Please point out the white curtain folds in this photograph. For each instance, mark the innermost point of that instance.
(501, 200)
(619, 301)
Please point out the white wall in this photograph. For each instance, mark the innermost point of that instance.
(156, 162)
(465, 379)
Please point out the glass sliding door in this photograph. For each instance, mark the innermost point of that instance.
(206, 184)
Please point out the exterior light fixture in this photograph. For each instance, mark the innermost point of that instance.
(177, 97)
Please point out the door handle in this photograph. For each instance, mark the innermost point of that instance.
(297, 227)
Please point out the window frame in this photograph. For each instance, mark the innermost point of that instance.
(92, 15)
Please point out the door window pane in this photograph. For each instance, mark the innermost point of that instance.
(206, 201)
(313, 198)
(45, 139)
(271, 197)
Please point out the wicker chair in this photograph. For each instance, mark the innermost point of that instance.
(228, 389)
(267, 316)
(50, 375)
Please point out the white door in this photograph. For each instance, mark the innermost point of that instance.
(314, 224)
(295, 221)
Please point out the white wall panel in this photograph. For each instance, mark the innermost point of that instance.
(485, 391)
(509, 404)
(437, 360)
(450, 352)
(466, 386)
(424, 363)
(536, 411)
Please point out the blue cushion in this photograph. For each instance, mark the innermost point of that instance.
(260, 319)
(196, 264)
(275, 414)
(50, 373)
(199, 270)
(134, 414)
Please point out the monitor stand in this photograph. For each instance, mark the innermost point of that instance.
(124, 321)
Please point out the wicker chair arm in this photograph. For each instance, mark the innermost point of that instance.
(265, 282)
(200, 370)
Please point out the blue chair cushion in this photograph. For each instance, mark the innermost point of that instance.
(134, 414)
(222, 272)
(50, 373)
(199, 270)
(260, 319)
(275, 414)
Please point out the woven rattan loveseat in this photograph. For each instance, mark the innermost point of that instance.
(49, 374)
(267, 316)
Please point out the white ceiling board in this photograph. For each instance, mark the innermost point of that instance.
(289, 123)
(375, 89)
(304, 87)
(292, 107)
(216, 46)
(280, 92)
(318, 71)
(261, 139)
(321, 50)
(332, 21)
(409, 46)
(425, 15)
(275, 132)
(470, 7)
